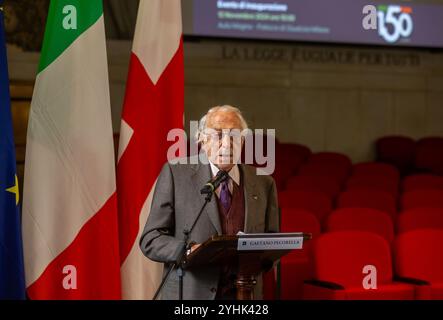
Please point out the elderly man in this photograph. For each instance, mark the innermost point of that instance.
(244, 202)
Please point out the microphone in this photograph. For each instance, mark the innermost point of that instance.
(214, 182)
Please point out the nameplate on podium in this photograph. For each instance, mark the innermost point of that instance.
(268, 241)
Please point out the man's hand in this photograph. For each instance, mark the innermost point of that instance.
(194, 247)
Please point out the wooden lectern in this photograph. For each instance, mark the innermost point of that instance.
(252, 253)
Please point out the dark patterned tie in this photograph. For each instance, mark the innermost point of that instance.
(225, 195)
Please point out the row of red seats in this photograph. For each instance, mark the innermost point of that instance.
(424, 155)
(363, 219)
(321, 205)
(331, 166)
(321, 179)
(298, 265)
(374, 187)
(406, 154)
(359, 265)
(331, 187)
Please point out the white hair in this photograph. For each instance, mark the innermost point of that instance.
(225, 108)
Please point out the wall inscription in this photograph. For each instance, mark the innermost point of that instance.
(320, 55)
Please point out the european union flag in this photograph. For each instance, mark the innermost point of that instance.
(12, 280)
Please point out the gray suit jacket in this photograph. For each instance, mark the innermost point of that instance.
(176, 202)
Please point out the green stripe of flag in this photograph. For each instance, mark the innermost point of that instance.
(60, 33)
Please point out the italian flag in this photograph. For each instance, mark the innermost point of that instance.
(70, 207)
(154, 105)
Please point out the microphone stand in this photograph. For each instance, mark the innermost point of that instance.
(182, 260)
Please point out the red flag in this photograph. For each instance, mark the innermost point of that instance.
(153, 106)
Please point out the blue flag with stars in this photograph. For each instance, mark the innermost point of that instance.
(12, 281)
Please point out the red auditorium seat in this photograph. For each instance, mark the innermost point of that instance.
(362, 219)
(422, 198)
(297, 266)
(294, 150)
(420, 218)
(429, 155)
(327, 185)
(422, 181)
(376, 168)
(291, 155)
(337, 172)
(396, 150)
(419, 255)
(375, 199)
(334, 158)
(316, 202)
(373, 182)
(340, 258)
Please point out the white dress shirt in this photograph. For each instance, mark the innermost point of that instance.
(234, 175)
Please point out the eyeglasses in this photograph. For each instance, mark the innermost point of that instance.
(220, 134)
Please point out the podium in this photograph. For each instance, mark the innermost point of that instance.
(251, 253)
